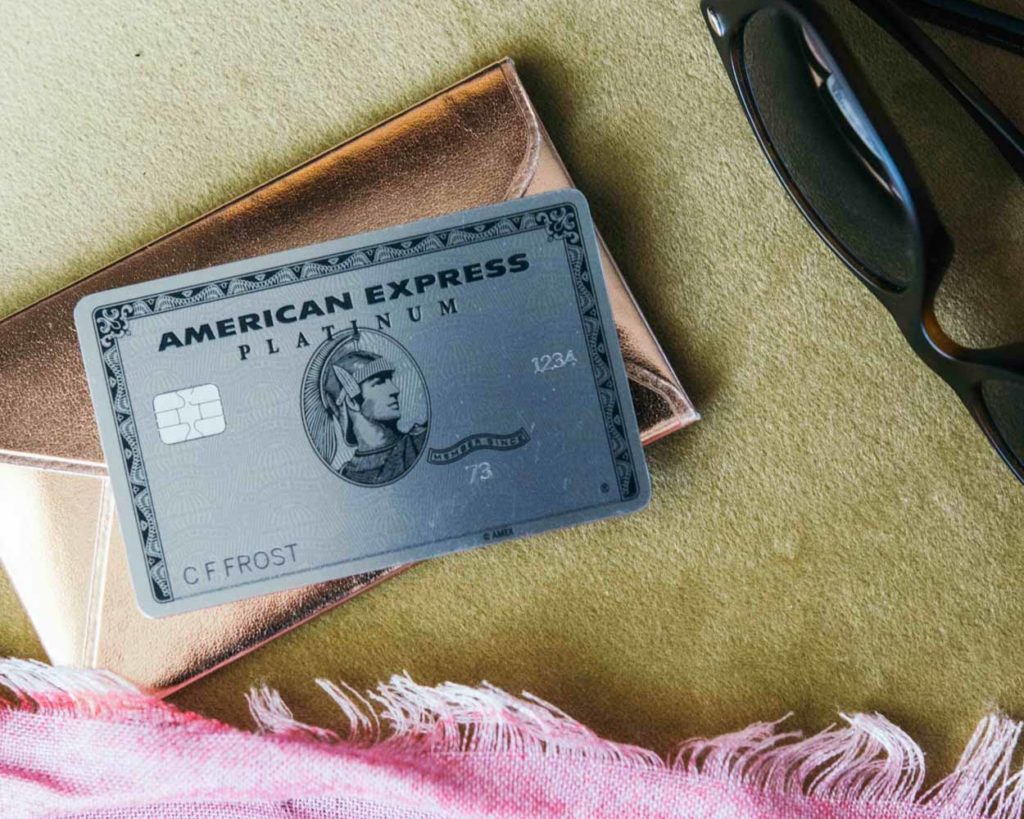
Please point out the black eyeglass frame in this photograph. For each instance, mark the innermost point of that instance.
(911, 306)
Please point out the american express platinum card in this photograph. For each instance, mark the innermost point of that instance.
(352, 405)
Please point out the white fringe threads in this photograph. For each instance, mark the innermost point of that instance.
(867, 760)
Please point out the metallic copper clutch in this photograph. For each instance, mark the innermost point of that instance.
(476, 143)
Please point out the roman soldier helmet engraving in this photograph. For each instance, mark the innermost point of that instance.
(352, 403)
(343, 375)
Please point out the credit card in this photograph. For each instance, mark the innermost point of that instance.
(357, 404)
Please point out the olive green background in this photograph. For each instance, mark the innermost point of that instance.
(835, 534)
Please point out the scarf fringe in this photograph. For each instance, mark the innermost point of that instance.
(867, 760)
(73, 692)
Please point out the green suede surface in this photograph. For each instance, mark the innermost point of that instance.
(836, 534)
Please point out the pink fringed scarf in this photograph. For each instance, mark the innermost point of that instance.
(88, 744)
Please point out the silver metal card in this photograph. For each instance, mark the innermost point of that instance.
(357, 404)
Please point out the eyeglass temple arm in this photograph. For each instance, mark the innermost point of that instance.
(895, 15)
(966, 17)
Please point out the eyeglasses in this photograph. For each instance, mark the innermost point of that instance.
(847, 167)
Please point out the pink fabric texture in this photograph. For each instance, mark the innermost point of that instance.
(82, 743)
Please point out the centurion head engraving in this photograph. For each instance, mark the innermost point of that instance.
(363, 424)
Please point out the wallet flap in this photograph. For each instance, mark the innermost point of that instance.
(472, 144)
(661, 404)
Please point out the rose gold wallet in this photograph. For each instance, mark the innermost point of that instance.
(476, 143)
